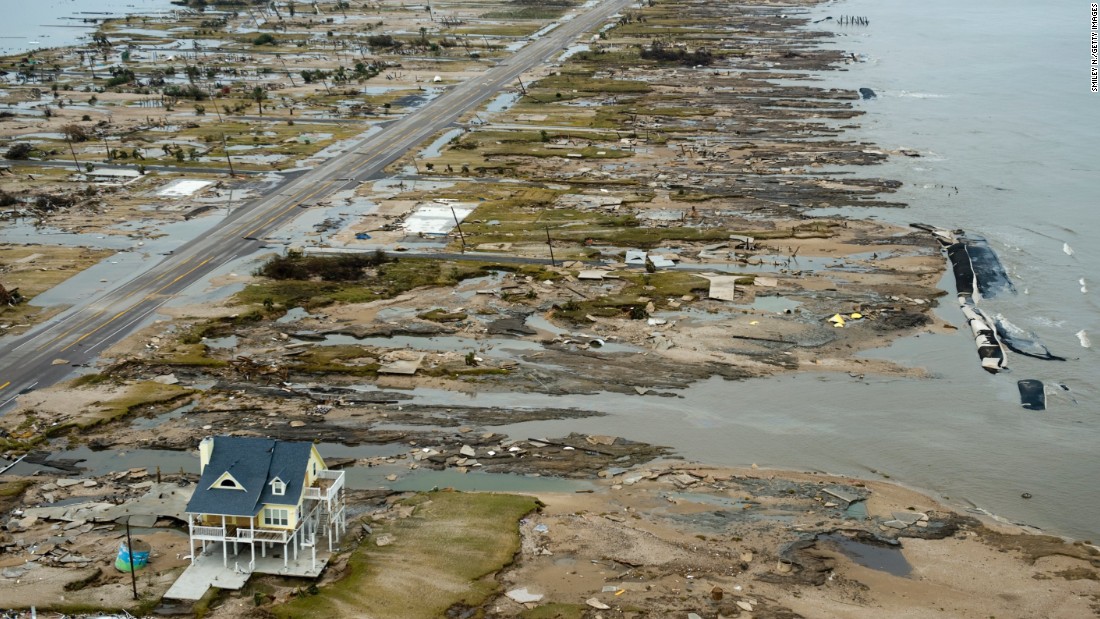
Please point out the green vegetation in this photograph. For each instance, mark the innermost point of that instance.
(525, 217)
(12, 489)
(441, 315)
(531, 9)
(34, 269)
(189, 355)
(138, 395)
(332, 360)
(442, 556)
(90, 380)
(134, 396)
(389, 279)
(221, 327)
(21, 445)
(342, 268)
(631, 301)
(578, 84)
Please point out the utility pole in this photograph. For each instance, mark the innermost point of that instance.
(225, 147)
(73, 151)
(551, 246)
(215, 104)
(286, 69)
(458, 225)
(130, 557)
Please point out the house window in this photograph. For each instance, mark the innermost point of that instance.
(278, 488)
(276, 517)
(227, 482)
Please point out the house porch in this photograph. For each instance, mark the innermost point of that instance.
(208, 570)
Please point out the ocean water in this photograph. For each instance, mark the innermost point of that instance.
(995, 95)
(57, 23)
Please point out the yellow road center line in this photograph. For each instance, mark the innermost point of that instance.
(127, 310)
(292, 205)
(83, 323)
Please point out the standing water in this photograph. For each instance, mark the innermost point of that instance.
(58, 23)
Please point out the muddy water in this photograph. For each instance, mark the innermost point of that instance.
(957, 434)
(880, 557)
(1008, 156)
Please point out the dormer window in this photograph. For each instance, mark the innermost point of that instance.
(227, 482)
(278, 488)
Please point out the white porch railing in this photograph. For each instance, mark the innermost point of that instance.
(220, 534)
(329, 493)
(259, 535)
(216, 534)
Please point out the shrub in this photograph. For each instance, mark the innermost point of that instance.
(344, 268)
(19, 150)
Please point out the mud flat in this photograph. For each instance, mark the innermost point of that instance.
(665, 538)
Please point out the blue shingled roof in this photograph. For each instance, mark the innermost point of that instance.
(253, 462)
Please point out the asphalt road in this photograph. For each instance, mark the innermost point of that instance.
(49, 352)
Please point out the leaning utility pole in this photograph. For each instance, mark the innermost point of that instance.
(551, 246)
(225, 147)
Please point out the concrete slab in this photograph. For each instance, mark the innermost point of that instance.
(405, 367)
(143, 520)
(161, 500)
(183, 188)
(743, 242)
(722, 287)
(908, 517)
(87, 512)
(205, 572)
(523, 596)
(436, 218)
(636, 257)
(209, 569)
(847, 497)
(662, 262)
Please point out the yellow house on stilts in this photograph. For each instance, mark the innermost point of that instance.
(261, 505)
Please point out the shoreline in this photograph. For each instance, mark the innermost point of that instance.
(88, 20)
(664, 534)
